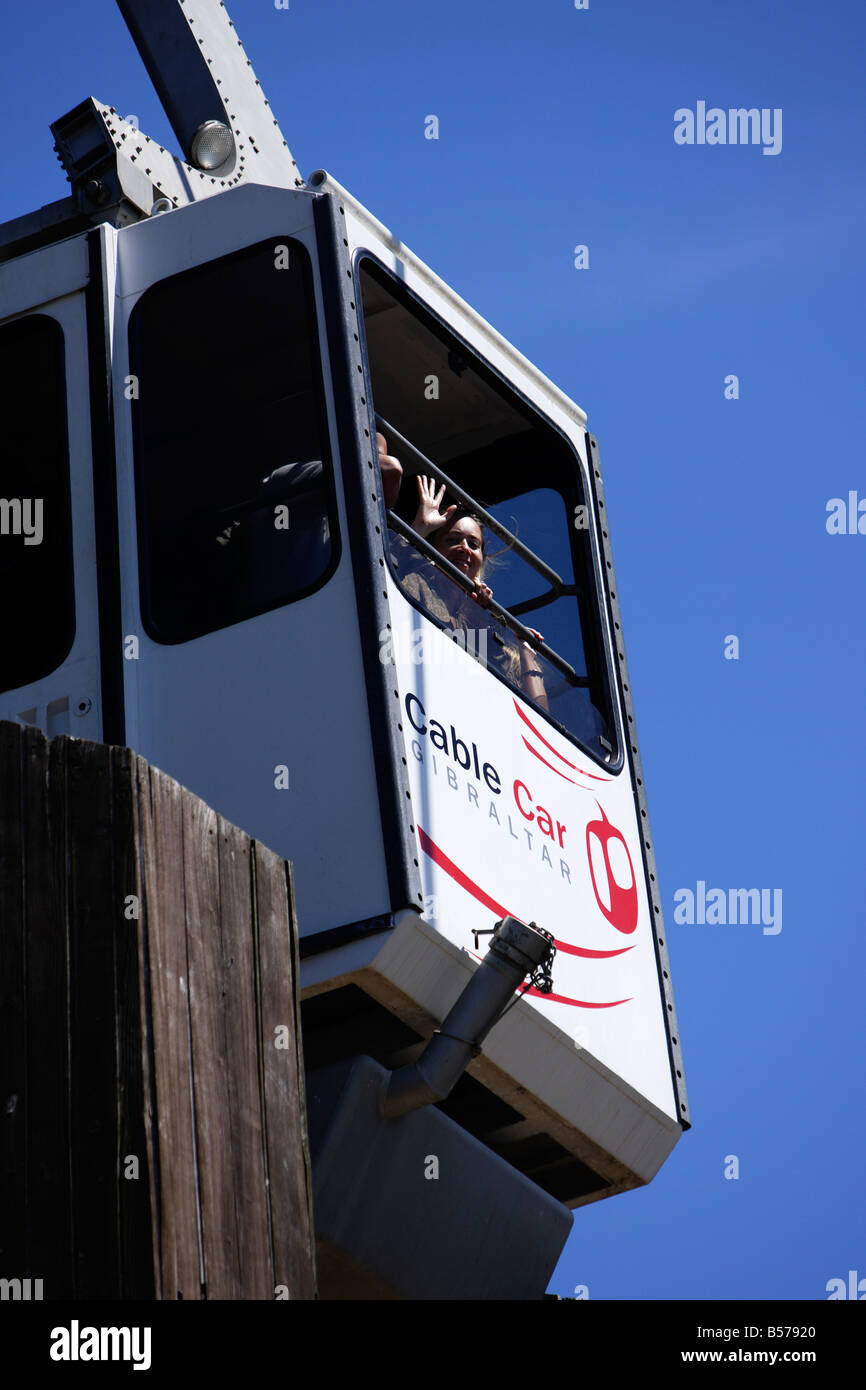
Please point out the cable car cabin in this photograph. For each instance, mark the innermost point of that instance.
(212, 562)
(247, 613)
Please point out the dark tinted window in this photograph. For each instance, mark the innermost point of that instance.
(233, 472)
(510, 460)
(37, 625)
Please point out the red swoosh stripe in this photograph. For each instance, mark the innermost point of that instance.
(564, 998)
(525, 717)
(439, 857)
(547, 764)
(582, 1003)
(591, 955)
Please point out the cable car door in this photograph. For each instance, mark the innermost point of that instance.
(242, 660)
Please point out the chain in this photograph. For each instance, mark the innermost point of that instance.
(542, 976)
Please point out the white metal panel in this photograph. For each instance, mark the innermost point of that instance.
(31, 281)
(170, 242)
(513, 819)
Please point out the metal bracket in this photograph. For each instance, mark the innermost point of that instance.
(214, 102)
(209, 92)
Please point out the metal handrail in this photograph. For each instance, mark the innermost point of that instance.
(553, 579)
(528, 605)
(425, 548)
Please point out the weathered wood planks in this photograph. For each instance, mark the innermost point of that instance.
(152, 1126)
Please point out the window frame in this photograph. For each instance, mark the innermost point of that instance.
(598, 603)
(321, 379)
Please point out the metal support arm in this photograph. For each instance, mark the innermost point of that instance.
(209, 91)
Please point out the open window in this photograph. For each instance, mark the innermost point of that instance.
(36, 574)
(233, 471)
(443, 411)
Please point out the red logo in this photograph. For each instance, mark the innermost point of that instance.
(623, 902)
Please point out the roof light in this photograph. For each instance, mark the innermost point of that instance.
(212, 145)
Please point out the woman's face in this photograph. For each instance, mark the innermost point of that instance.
(463, 545)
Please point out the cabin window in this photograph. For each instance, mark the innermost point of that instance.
(233, 471)
(432, 395)
(37, 628)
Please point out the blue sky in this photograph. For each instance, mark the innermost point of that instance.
(556, 129)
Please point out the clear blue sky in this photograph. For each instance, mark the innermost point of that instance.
(556, 128)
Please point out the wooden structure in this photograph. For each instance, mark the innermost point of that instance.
(152, 1125)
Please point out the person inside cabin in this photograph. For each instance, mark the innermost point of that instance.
(392, 472)
(278, 537)
(459, 537)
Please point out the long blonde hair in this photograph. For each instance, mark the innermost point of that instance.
(466, 607)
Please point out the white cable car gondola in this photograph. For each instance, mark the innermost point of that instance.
(200, 356)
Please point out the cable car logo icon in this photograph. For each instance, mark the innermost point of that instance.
(622, 903)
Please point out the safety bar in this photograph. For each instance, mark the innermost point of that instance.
(529, 605)
(420, 544)
(553, 579)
